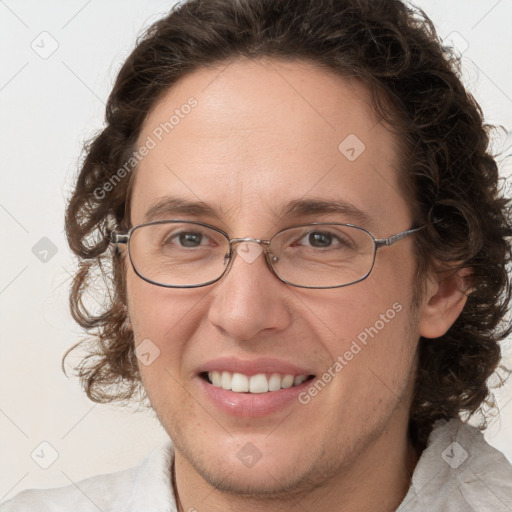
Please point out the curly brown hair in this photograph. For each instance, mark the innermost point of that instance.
(446, 165)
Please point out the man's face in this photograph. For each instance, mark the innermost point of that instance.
(264, 134)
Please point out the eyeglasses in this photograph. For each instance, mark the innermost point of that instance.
(186, 254)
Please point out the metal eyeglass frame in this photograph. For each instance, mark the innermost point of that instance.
(124, 238)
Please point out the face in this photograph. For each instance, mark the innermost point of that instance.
(261, 135)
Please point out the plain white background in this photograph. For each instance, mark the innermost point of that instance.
(50, 104)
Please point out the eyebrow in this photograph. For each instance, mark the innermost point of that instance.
(313, 206)
(177, 206)
(172, 206)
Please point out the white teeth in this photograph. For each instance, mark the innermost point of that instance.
(215, 377)
(239, 383)
(299, 380)
(287, 381)
(259, 383)
(225, 380)
(274, 384)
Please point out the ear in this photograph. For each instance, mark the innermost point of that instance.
(445, 298)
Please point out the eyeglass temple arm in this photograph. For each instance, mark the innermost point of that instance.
(118, 238)
(396, 238)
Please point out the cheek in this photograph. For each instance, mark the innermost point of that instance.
(377, 307)
(370, 334)
(157, 322)
(163, 320)
(154, 310)
(373, 368)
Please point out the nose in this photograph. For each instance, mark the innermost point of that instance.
(249, 299)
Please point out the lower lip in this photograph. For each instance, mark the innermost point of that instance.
(252, 405)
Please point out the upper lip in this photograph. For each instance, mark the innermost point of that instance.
(253, 366)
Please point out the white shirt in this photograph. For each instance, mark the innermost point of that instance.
(458, 472)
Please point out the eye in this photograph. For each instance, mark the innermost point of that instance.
(322, 239)
(189, 239)
(318, 239)
(185, 239)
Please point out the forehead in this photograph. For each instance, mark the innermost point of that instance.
(250, 136)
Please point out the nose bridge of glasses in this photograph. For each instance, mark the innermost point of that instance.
(264, 243)
(249, 239)
(233, 241)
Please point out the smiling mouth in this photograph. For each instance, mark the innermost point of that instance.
(259, 383)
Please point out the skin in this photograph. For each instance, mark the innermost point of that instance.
(263, 133)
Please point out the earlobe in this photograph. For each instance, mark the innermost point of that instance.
(445, 299)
